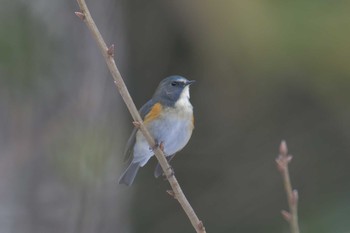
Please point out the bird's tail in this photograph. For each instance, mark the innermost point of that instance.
(130, 173)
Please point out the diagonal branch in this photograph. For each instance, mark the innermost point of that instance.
(282, 161)
(108, 54)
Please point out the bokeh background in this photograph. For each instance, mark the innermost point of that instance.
(265, 71)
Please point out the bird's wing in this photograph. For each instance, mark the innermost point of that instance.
(144, 110)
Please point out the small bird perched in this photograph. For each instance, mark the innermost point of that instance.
(168, 116)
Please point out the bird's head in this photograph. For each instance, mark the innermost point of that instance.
(173, 88)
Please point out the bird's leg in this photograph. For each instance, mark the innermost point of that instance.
(161, 146)
(158, 145)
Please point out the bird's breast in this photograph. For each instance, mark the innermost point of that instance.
(181, 111)
(173, 127)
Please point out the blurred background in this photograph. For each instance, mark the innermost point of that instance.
(265, 71)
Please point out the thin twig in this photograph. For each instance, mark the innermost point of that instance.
(282, 161)
(108, 54)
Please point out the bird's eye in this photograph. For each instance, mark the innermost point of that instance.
(174, 84)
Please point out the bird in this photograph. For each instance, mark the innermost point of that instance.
(168, 116)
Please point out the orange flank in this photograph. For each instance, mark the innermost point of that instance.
(154, 113)
(193, 121)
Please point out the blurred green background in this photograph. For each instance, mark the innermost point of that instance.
(265, 71)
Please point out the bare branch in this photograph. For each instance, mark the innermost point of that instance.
(282, 161)
(118, 80)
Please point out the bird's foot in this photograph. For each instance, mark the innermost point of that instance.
(172, 173)
(158, 145)
(161, 146)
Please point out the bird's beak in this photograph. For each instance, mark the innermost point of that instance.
(190, 82)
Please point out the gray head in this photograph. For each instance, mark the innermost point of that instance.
(170, 89)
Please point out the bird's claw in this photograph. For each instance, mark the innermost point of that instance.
(161, 146)
(172, 173)
(157, 145)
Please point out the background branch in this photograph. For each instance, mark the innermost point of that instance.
(282, 161)
(108, 54)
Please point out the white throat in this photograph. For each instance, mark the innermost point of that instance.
(184, 99)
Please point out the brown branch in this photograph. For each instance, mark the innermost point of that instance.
(282, 161)
(108, 54)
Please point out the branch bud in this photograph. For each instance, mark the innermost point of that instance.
(201, 226)
(286, 215)
(295, 197)
(110, 50)
(171, 193)
(136, 124)
(80, 15)
(283, 148)
(281, 165)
